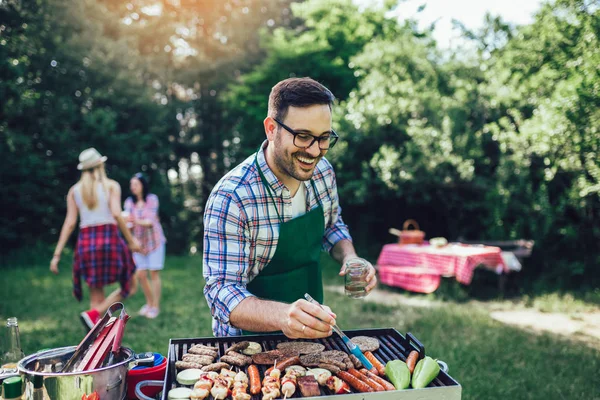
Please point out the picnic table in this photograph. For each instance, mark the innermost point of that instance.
(419, 268)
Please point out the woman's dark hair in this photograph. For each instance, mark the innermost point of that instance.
(297, 92)
(145, 187)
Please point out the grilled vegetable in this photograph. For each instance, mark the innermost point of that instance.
(426, 371)
(252, 348)
(189, 376)
(299, 369)
(398, 372)
(179, 393)
(320, 374)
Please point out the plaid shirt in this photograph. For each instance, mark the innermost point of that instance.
(150, 237)
(241, 231)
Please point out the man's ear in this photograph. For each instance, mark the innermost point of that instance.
(270, 128)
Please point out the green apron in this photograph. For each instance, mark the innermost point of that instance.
(295, 268)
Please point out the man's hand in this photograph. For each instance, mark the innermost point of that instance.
(307, 320)
(371, 278)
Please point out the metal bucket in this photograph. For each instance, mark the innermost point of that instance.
(42, 370)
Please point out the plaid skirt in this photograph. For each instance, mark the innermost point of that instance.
(101, 258)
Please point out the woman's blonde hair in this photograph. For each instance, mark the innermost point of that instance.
(89, 180)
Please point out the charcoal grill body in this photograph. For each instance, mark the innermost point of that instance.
(394, 346)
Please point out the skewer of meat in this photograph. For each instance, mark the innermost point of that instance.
(240, 385)
(203, 386)
(271, 385)
(289, 383)
(222, 385)
(337, 386)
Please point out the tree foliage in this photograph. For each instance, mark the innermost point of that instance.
(495, 140)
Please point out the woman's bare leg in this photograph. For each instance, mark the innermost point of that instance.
(156, 288)
(96, 297)
(142, 275)
(115, 297)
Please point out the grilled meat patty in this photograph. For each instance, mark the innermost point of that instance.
(366, 343)
(268, 357)
(301, 347)
(310, 360)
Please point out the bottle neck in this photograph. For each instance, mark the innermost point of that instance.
(13, 341)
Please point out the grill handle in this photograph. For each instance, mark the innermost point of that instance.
(412, 339)
(443, 366)
(142, 384)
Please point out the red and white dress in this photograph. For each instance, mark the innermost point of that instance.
(101, 255)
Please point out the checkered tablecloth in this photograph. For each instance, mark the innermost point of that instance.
(454, 260)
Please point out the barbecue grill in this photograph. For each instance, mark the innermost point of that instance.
(394, 346)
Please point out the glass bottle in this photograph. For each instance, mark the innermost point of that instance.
(12, 388)
(357, 270)
(13, 352)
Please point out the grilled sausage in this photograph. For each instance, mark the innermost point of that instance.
(202, 352)
(355, 361)
(203, 346)
(349, 363)
(411, 360)
(376, 363)
(229, 359)
(376, 386)
(247, 359)
(238, 346)
(204, 360)
(215, 367)
(186, 365)
(354, 382)
(387, 385)
(330, 367)
(254, 378)
(333, 361)
(284, 364)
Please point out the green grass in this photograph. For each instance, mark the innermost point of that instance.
(489, 359)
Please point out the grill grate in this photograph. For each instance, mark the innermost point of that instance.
(393, 346)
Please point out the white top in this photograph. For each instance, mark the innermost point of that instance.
(100, 215)
(299, 202)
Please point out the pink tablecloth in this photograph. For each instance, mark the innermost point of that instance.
(452, 260)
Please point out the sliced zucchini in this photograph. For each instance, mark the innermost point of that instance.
(298, 368)
(316, 372)
(253, 348)
(179, 393)
(189, 376)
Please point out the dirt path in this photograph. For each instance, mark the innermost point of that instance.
(584, 327)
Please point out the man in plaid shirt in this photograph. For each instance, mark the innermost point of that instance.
(268, 219)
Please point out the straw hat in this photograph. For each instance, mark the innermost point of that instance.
(90, 158)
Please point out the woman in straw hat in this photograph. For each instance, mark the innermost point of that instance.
(101, 256)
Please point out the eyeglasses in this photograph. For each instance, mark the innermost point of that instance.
(305, 140)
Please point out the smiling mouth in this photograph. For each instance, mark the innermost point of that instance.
(306, 161)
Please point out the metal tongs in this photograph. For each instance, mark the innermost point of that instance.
(106, 336)
(349, 343)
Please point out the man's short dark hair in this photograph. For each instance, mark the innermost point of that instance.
(297, 92)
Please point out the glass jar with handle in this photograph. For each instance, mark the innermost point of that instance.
(355, 285)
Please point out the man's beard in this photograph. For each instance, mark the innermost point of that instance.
(287, 164)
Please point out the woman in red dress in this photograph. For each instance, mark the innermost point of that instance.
(101, 255)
